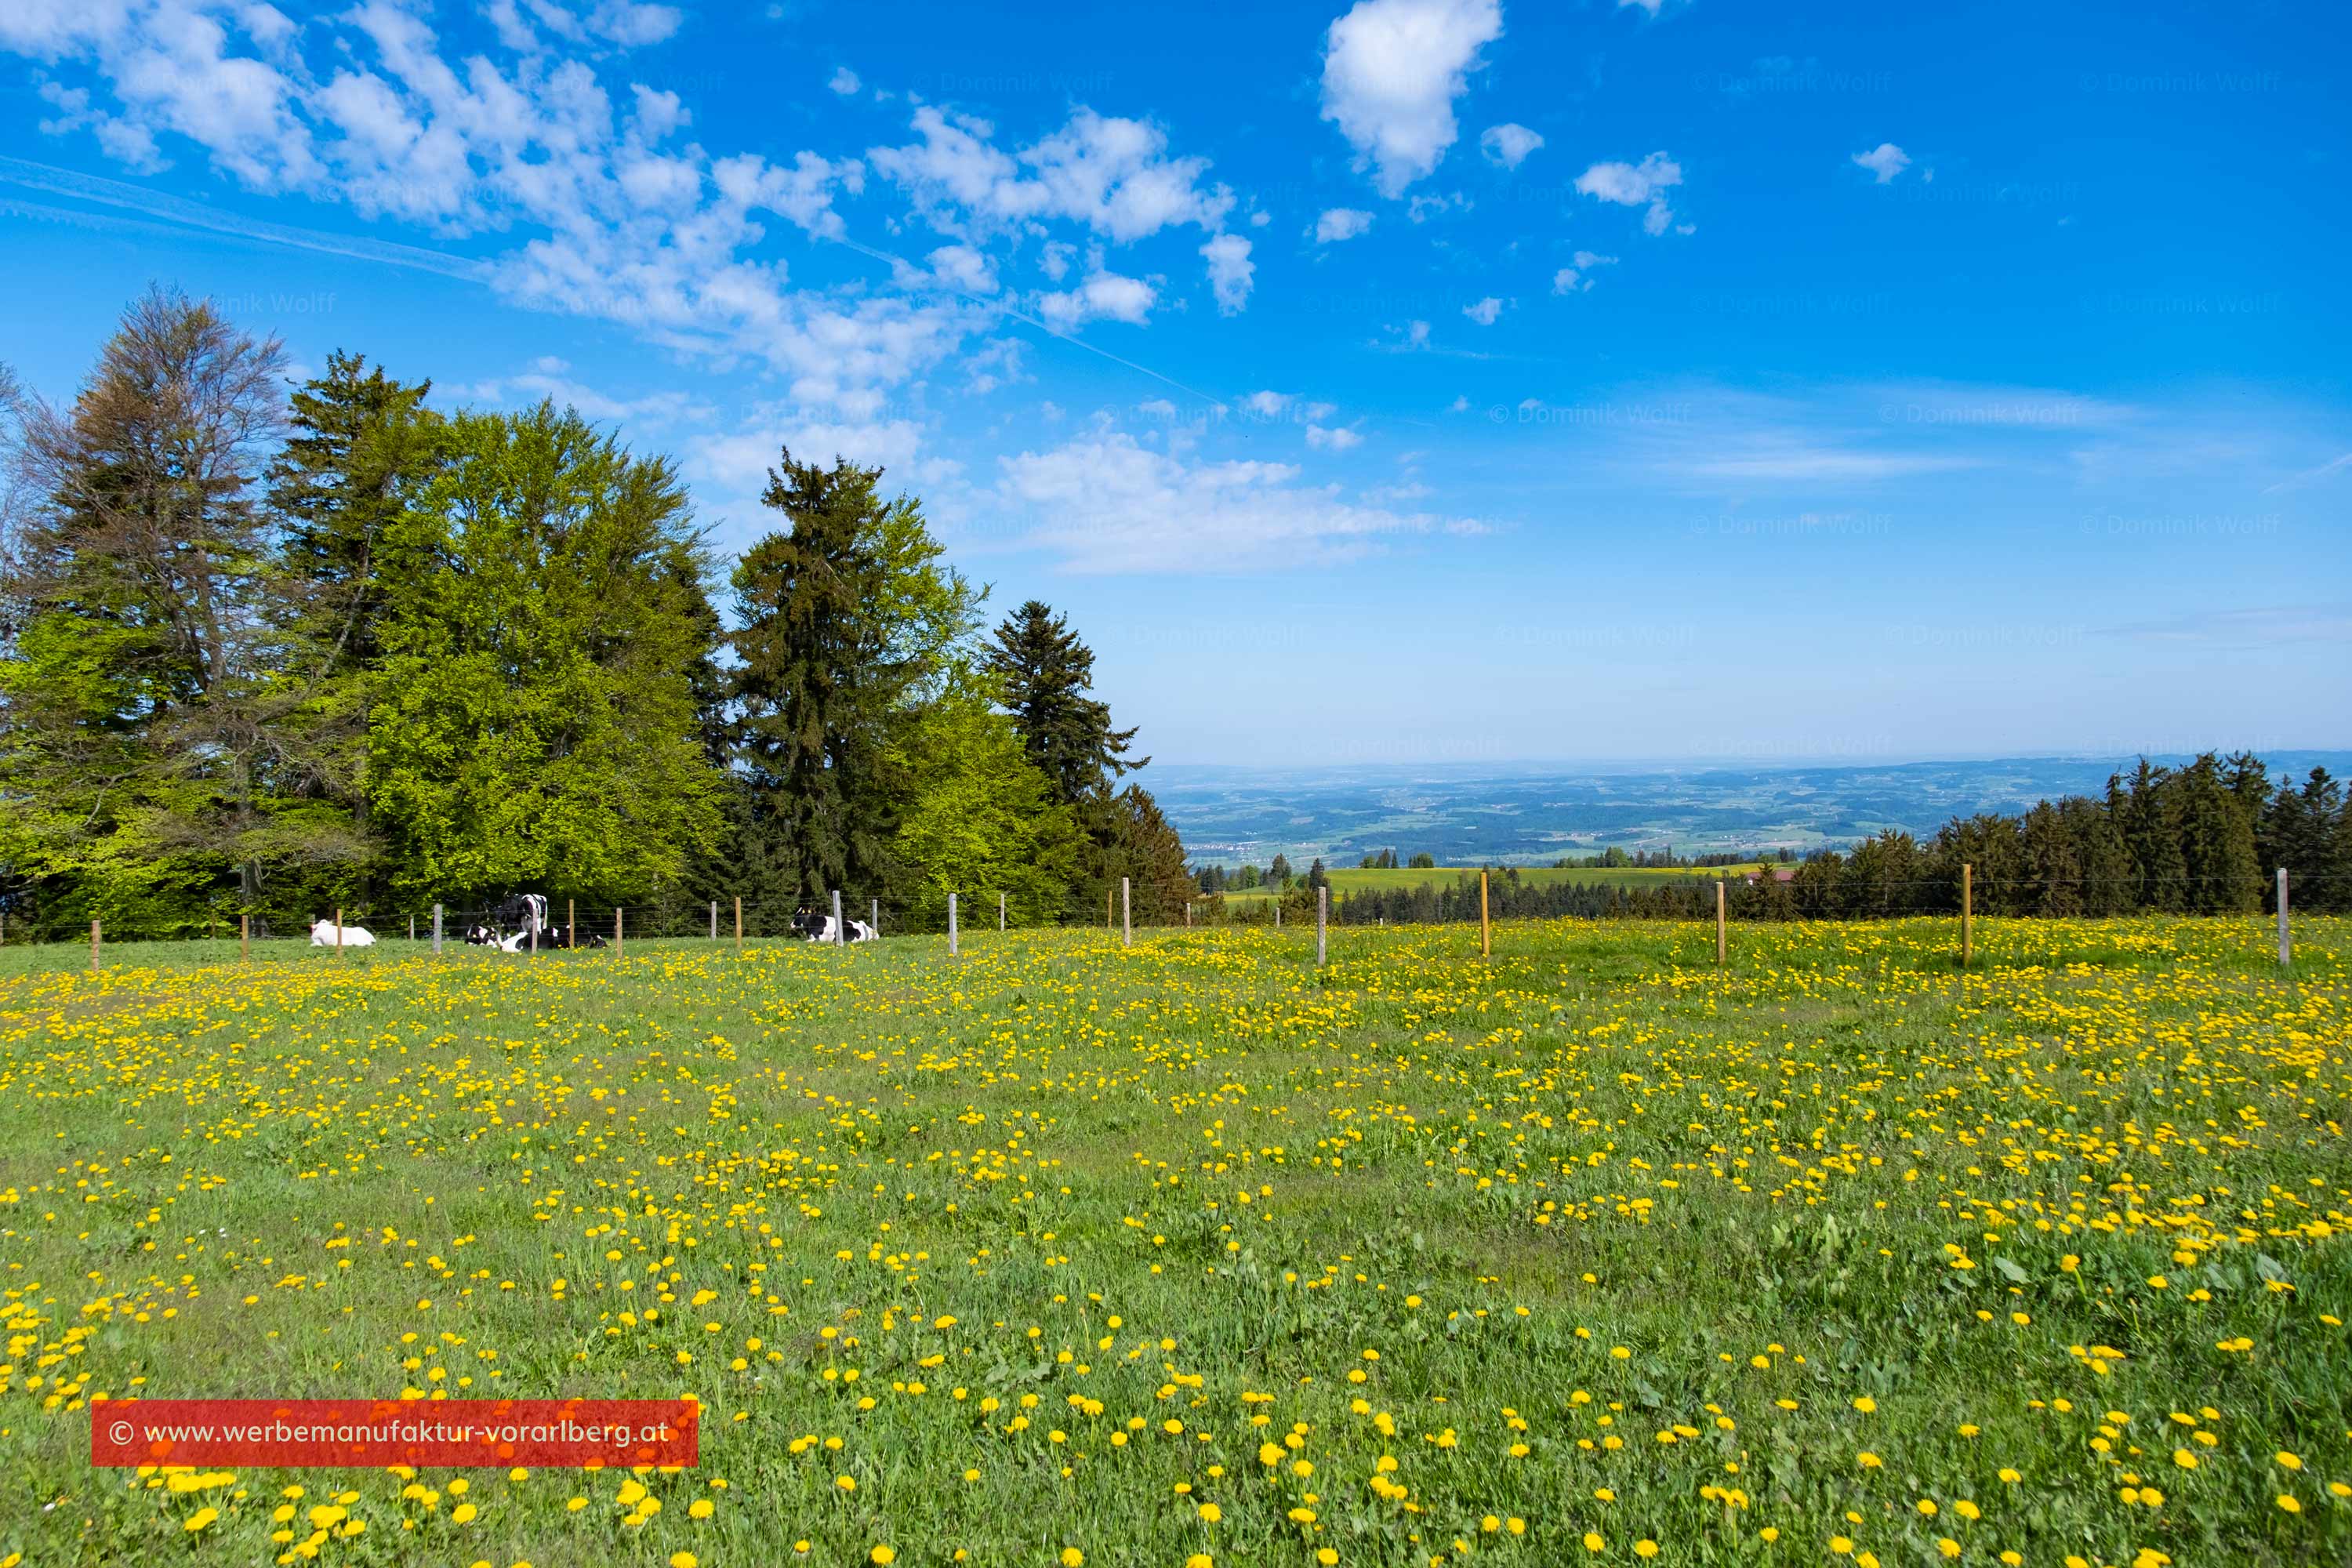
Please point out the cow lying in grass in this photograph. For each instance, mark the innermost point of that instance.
(521, 927)
(812, 925)
(323, 934)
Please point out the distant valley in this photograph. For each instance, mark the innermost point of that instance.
(1531, 813)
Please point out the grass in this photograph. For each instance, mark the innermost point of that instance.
(1190, 1251)
(1348, 879)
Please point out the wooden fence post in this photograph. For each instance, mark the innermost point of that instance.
(93, 947)
(245, 938)
(1485, 926)
(436, 930)
(1106, 905)
(875, 909)
(951, 925)
(619, 944)
(412, 931)
(572, 921)
(1125, 914)
(338, 930)
(738, 925)
(714, 920)
(1718, 925)
(1967, 913)
(2286, 944)
(1000, 912)
(1322, 917)
(840, 932)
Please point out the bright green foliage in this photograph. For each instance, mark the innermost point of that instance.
(982, 819)
(535, 720)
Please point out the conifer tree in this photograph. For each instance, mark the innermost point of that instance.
(1045, 672)
(847, 620)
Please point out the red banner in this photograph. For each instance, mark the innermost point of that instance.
(315, 1432)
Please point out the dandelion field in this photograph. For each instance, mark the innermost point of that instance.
(1057, 1253)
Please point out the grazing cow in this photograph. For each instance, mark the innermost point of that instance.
(323, 934)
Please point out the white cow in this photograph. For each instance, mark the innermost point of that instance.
(823, 928)
(323, 934)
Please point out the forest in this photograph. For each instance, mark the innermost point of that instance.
(270, 650)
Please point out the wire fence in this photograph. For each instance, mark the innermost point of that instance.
(1472, 898)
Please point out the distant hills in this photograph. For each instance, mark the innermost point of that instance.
(1533, 813)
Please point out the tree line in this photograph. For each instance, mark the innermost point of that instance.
(270, 654)
(2206, 837)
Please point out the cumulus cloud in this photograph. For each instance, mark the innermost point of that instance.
(1885, 161)
(1392, 70)
(1105, 503)
(1103, 296)
(1341, 223)
(1509, 145)
(845, 83)
(1230, 271)
(1576, 279)
(1636, 185)
(1267, 404)
(1485, 312)
(1332, 441)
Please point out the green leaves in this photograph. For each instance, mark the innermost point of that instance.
(534, 719)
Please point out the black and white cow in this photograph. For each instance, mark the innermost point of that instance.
(814, 925)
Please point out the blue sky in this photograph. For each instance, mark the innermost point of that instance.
(1419, 380)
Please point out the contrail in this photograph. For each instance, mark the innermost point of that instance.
(195, 214)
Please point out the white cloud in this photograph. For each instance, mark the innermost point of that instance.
(1105, 503)
(1392, 70)
(1230, 271)
(1341, 223)
(1636, 185)
(1575, 279)
(962, 266)
(736, 465)
(1885, 161)
(1104, 295)
(845, 83)
(1266, 405)
(1485, 312)
(1333, 440)
(1651, 6)
(1509, 145)
(546, 382)
(1111, 174)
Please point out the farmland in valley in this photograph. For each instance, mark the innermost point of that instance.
(1061, 1252)
(1346, 879)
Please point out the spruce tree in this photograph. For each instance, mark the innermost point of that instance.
(846, 621)
(1045, 672)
